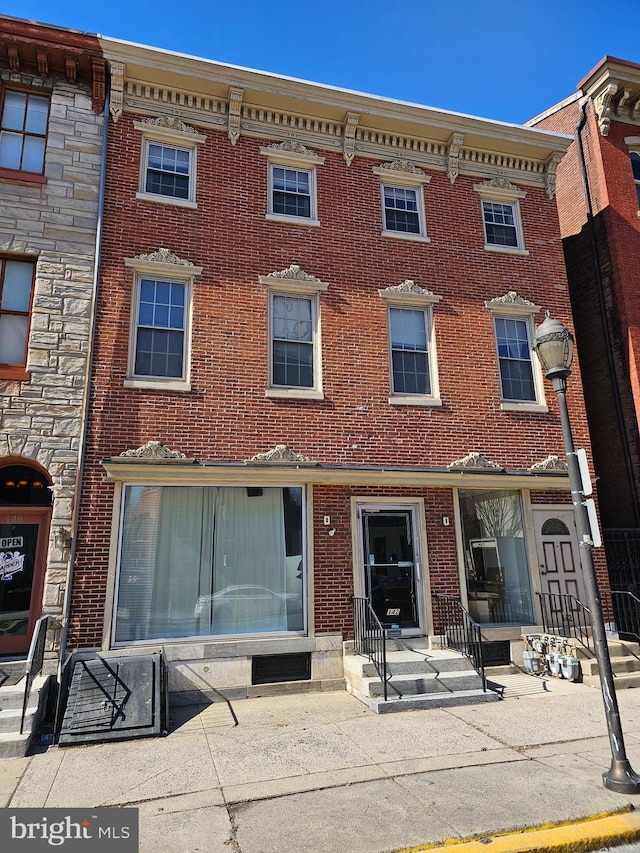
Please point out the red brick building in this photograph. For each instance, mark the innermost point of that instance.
(598, 190)
(313, 374)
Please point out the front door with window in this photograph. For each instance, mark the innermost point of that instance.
(391, 568)
(23, 539)
(558, 556)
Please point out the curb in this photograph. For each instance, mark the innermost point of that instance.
(590, 834)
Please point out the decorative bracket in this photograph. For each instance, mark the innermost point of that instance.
(349, 131)
(117, 89)
(453, 153)
(550, 174)
(603, 105)
(235, 109)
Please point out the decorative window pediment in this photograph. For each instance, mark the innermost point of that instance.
(152, 451)
(294, 278)
(281, 454)
(410, 292)
(474, 462)
(511, 303)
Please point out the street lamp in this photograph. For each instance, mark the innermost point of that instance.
(554, 346)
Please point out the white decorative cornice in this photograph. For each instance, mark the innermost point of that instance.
(511, 303)
(293, 272)
(603, 107)
(280, 455)
(349, 137)
(409, 291)
(164, 256)
(474, 462)
(453, 155)
(116, 96)
(235, 113)
(551, 463)
(169, 123)
(153, 451)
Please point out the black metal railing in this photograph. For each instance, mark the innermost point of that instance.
(35, 659)
(566, 616)
(370, 639)
(622, 609)
(460, 631)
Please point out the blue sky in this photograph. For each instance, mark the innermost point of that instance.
(506, 59)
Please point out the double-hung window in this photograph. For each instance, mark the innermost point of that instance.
(168, 161)
(401, 187)
(294, 334)
(411, 344)
(520, 385)
(291, 190)
(501, 220)
(16, 293)
(23, 131)
(635, 165)
(160, 337)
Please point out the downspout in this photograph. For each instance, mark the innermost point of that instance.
(595, 257)
(87, 388)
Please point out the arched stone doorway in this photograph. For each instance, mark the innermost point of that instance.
(25, 517)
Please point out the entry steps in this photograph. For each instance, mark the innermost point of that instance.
(12, 683)
(625, 663)
(421, 677)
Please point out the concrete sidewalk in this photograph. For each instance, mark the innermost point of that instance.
(320, 772)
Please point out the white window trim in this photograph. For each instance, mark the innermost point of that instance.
(295, 160)
(311, 290)
(419, 301)
(171, 272)
(405, 180)
(519, 310)
(633, 144)
(175, 139)
(504, 196)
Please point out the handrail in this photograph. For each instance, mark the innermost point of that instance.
(370, 639)
(460, 631)
(565, 615)
(624, 606)
(35, 659)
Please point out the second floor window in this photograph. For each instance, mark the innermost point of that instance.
(23, 132)
(160, 331)
(409, 351)
(16, 288)
(293, 333)
(635, 165)
(514, 357)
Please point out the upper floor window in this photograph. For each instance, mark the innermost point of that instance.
(16, 294)
(294, 334)
(414, 378)
(635, 165)
(292, 195)
(23, 131)
(160, 337)
(168, 161)
(401, 186)
(501, 218)
(520, 380)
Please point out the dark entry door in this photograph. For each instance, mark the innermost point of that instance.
(390, 567)
(23, 539)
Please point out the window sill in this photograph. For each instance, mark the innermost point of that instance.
(539, 408)
(294, 394)
(506, 250)
(292, 220)
(26, 177)
(414, 400)
(158, 384)
(14, 374)
(166, 199)
(406, 235)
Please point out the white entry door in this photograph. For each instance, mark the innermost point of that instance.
(558, 556)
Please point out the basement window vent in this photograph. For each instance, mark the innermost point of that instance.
(270, 669)
(497, 653)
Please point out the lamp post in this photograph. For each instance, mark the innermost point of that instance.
(554, 346)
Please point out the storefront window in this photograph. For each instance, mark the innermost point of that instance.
(200, 561)
(496, 568)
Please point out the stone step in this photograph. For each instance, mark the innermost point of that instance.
(622, 681)
(12, 668)
(402, 662)
(12, 695)
(422, 683)
(589, 666)
(425, 701)
(10, 720)
(617, 648)
(14, 745)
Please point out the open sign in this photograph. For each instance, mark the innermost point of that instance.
(11, 542)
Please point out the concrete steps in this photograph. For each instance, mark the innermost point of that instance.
(421, 677)
(625, 664)
(12, 743)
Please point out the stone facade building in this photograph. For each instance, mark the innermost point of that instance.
(313, 375)
(52, 97)
(598, 189)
